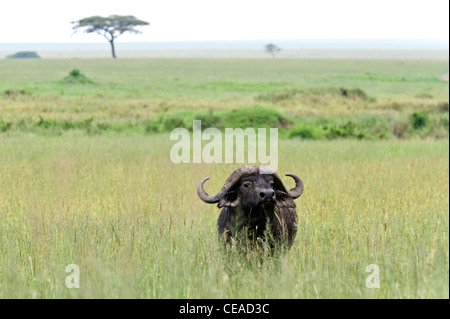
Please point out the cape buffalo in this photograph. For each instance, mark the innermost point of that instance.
(255, 200)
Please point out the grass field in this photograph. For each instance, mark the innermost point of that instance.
(83, 180)
(133, 88)
(374, 98)
(131, 220)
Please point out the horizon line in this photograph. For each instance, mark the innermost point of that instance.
(238, 40)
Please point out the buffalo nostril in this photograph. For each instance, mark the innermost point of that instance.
(267, 193)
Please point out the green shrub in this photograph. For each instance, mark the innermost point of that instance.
(210, 119)
(364, 136)
(103, 126)
(5, 126)
(173, 121)
(75, 76)
(418, 120)
(306, 132)
(346, 130)
(256, 117)
(75, 73)
(46, 123)
(383, 135)
(152, 126)
(64, 125)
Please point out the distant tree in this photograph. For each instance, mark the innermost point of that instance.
(272, 49)
(110, 27)
(24, 55)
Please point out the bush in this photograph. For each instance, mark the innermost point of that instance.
(306, 132)
(75, 76)
(383, 136)
(152, 126)
(256, 117)
(65, 124)
(24, 55)
(75, 73)
(4, 126)
(346, 130)
(418, 120)
(209, 120)
(172, 122)
(46, 123)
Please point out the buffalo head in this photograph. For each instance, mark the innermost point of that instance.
(251, 186)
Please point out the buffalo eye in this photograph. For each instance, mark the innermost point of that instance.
(271, 184)
(247, 184)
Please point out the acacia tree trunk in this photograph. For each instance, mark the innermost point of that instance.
(113, 51)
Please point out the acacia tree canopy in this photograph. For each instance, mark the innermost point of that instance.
(272, 49)
(110, 27)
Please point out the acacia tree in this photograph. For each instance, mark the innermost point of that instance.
(110, 27)
(272, 49)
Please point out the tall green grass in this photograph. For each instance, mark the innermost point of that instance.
(131, 220)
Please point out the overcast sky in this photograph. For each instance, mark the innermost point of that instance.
(193, 20)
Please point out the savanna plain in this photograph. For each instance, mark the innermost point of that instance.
(86, 177)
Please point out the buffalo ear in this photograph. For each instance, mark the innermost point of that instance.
(230, 199)
(278, 184)
(283, 199)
